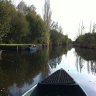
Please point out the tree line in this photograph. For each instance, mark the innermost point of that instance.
(86, 40)
(28, 27)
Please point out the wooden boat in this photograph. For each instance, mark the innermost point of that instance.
(59, 83)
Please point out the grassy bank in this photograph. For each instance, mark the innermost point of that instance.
(16, 44)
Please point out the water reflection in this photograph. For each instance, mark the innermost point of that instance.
(54, 62)
(87, 55)
(56, 56)
(83, 71)
(79, 63)
(20, 71)
(14, 90)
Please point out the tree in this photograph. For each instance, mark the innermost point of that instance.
(18, 30)
(22, 7)
(6, 9)
(94, 28)
(38, 29)
(47, 13)
(55, 26)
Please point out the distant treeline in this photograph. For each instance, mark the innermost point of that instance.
(87, 40)
(28, 27)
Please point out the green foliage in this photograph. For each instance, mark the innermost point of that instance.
(19, 28)
(6, 8)
(38, 29)
(27, 27)
(87, 40)
(57, 38)
(16, 27)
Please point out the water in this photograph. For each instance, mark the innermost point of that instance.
(20, 71)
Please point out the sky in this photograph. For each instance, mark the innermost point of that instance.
(68, 13)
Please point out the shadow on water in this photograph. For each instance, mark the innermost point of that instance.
(21, 68)
(20, 71)
(87, 55)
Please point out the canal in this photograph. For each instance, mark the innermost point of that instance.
(20, 71)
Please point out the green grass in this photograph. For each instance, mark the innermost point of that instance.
(16, 44)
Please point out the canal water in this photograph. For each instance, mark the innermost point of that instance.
(19, 71)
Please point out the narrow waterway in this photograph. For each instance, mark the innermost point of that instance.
(20, 71)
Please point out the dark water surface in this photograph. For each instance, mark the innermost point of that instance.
(20, 71)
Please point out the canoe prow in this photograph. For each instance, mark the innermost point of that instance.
(59, 83)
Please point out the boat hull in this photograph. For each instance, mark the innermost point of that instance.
(59, 83)
(60, 90)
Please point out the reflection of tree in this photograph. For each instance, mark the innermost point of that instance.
(54, 62)
(91, 67)
(86, 55)
(20, 68)
(56, 55)
(57, 52)
(88, 67)
(79, 63)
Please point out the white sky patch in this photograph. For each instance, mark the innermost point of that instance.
(68, 13)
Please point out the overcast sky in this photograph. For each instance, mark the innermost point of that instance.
(68, 13)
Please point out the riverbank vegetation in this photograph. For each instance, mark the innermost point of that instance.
(57, 38)
(86, 40)
(16, 27)
(26, 26)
